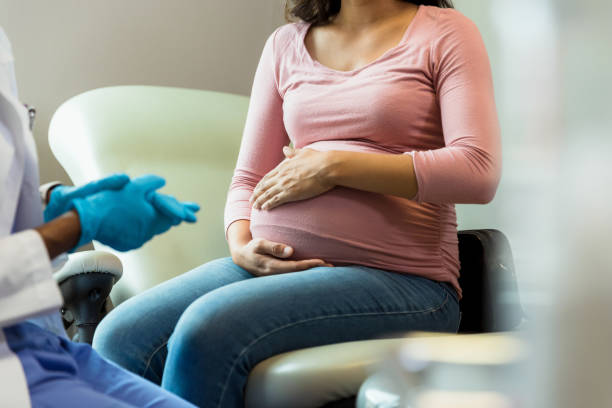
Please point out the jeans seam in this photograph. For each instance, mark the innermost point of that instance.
(151, 358)
(251, 344)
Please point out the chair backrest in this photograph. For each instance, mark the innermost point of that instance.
(490, 293)
(190, 137)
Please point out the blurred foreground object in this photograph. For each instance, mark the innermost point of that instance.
(571, 334)
(439, 370)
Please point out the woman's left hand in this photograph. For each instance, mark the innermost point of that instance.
(302, 175)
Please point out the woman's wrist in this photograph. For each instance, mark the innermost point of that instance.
(235, 248)
(332, 168)
(236, 245)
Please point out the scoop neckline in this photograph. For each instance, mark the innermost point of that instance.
(391, 50)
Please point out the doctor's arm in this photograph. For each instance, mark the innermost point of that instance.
(27, 286)
(123, 219)
(61, 234)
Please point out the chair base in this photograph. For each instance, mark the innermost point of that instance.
(344, 403)
(85, 298)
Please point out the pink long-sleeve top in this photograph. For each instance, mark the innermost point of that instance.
(430, 96)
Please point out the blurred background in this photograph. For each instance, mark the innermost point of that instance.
(551, 63)
(66, 47)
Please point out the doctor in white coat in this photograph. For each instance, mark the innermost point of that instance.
(37, 367)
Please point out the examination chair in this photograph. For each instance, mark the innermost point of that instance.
(192, 138)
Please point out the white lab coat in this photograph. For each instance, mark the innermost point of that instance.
(27, 287)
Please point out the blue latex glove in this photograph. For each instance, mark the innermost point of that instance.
(125, 219)
(172, 208)
(60, 200)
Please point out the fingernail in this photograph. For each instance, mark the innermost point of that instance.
(287, 251)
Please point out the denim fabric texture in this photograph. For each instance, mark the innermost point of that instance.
(200, 334)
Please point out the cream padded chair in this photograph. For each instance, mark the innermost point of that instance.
(192, 138)
(189, 137)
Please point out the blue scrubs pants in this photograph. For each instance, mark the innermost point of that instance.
(61, 373)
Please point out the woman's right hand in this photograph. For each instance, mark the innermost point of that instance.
(262, 257)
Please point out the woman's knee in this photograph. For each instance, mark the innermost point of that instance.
(202, 325)
(155, 312)
(221, 323)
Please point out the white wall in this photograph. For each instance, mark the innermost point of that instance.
(65, 47)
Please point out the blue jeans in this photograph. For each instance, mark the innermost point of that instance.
(200, 334)
(61, 373)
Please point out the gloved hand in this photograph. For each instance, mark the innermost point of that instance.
(174, 209)
(60, 200)
(125, 219)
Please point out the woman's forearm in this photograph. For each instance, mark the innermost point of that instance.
(309, 173)
(377, 173)
(238, 235)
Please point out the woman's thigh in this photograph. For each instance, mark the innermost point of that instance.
(225, 333)
(134, 335)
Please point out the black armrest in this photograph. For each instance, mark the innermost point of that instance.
(490, 293)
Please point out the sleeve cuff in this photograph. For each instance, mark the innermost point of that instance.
(28, 285)
(45, 188)
(246, 218)
(238, 207)
(418, 197)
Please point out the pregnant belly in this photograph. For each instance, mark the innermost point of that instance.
(350, 226)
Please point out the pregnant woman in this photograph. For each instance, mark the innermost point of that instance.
(351, 233)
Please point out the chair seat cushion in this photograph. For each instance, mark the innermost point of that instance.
(88, 262)
(315, 376)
